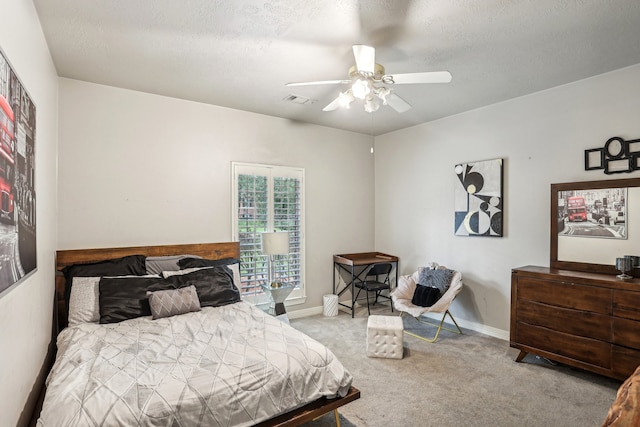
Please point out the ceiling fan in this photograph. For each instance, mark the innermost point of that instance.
(370, 83)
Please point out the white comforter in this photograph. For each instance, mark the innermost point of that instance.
(224, 366)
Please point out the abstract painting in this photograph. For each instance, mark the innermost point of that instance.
(478, 199)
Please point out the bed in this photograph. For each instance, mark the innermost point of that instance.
(220, 362)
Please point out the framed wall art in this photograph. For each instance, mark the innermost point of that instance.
(599, 213)
(616, 156)
(478, 199)
(17, 179)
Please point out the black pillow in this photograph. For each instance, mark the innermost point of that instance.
(123, 298)
(185, 263)
(132, 265)
(214, 285)
(128, 265)
(425, 296)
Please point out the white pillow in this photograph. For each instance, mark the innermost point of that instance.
(235, 269)
(84, 304)
(84, 300)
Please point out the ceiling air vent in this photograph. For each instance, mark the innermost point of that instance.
(296, 99)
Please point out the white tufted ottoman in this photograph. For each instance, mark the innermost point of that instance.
(384, 336)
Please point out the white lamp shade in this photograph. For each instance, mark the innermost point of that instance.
(276, 243)
(360, 88)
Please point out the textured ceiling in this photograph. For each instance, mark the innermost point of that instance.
(239, 54)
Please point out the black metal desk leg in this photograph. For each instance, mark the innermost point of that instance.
(353, 294)
(334, 277)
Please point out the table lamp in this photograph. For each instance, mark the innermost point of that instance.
(274, 244)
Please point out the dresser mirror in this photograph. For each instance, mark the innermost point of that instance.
(593, 223)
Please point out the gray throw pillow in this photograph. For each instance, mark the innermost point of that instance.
(158, 264)
(172, 302)
(439, 278)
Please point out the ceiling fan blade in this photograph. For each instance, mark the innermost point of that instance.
(426, 77)
(397, 103)
(320, 82)
(332, 105)
(365, 58)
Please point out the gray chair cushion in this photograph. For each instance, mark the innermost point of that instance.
(439, 278)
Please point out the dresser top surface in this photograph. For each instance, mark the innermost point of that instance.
(608, 280)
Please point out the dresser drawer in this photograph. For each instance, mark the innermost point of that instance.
(588, 350)
(625, 361)
(582, 319)
(567, 320)
(626, 332)
(626, 304)
(563, 294)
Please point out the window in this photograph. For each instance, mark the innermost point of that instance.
(268, 198)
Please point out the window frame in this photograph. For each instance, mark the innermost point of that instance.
(298, 295)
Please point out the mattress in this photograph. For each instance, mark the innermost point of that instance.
(232, 365)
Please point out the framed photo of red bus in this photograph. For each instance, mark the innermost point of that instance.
(17, 175)
(599, 213)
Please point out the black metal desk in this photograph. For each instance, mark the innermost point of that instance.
(350, 262)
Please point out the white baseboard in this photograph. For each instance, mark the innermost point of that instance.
(306, 312)
(474, 326)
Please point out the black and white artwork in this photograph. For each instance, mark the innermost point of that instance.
(17, 175)
(478, 199)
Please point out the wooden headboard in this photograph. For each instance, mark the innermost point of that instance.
(83, 256)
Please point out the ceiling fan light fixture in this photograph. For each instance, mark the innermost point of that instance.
(371, 104)
(366, 79)
(345, 99)
(383, 93)
(361, 88)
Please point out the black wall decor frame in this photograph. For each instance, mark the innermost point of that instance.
(617, 156)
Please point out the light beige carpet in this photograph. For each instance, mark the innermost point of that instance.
(329, 420)
(461, 380)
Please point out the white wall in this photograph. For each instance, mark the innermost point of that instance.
(542, 138)
(138, 169)
(26, 310)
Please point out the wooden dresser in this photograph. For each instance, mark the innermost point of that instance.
(586, 320)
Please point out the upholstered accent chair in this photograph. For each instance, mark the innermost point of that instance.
(404, 293)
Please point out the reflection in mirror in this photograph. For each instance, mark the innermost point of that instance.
(593, 223)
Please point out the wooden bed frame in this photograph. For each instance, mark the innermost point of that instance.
(84, 256)
(64, 258)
